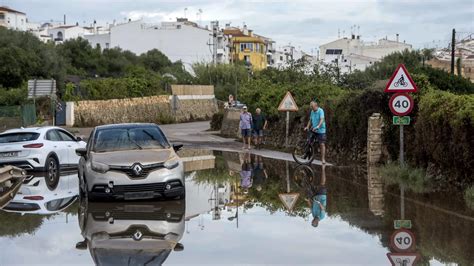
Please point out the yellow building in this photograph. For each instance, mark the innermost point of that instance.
(247, 47)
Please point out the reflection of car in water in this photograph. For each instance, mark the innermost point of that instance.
(131, 233)
(11, 179)
(35, 196)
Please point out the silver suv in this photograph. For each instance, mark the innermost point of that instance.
(130, 161)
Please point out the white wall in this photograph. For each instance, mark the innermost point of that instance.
(15, 21)
(188, 44)
(101, 39)
(68, 33)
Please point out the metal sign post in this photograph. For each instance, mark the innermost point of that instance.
(288, 105)
(287, 127)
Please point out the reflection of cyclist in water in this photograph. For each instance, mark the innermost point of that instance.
(317, 198)
(401, 81)
(259, 173)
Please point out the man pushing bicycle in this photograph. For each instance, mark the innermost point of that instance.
(317, 128)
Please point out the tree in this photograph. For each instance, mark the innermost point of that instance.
(154, 60)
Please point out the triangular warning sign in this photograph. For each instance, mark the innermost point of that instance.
(401, 81)
(407, 259)
(288, 103)
(289, 199)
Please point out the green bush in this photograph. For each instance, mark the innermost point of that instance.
(469, 197)
(216, 121)
(10, 97)
(415, 179)
(119, 88)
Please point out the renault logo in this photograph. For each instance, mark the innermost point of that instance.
(137, 236)
(137, 169)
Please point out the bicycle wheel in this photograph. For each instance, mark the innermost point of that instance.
(303, 154)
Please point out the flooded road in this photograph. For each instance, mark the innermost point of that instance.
(239, 209)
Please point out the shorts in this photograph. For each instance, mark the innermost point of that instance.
(245, 133)
(258, 133)
(320, 137)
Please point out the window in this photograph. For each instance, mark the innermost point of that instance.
(2, 16)
(244, 46)
(247, 58)
(281, 57)
(178, 27)
(333, 51)
(53, 135)
(18, 137)
(107, 45)
(60, 36)
(136, 138)
(65, 136)
(257, 47)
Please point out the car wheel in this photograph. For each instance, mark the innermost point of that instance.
(52, 173)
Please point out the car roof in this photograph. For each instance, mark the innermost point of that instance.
(31, 129)
(125, 126)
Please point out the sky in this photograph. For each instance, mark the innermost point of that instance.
(304, 24)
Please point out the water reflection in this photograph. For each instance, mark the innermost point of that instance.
(36, 196)
(131, 233)
(227, 214)
(11, 179)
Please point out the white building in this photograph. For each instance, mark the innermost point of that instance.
(180, 40)
(66, 32)
(288, 54)
(13, 19)
(350, 54)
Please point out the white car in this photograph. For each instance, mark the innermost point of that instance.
(37, 197)
(49, 149)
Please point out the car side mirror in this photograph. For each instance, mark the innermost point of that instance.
(81, 152)
(78, 139)
(178, 247)
(177, 147)
(81, 245)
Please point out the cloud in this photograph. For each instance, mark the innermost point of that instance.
(305, 23)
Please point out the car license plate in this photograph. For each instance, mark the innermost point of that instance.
(139, 195)
(8, 154)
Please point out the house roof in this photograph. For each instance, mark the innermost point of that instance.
(6, 9)
(65, 26)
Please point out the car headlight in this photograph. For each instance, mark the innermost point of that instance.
(99, 167)
(173, 163)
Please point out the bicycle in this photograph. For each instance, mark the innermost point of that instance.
(305, 151)
(401, 81)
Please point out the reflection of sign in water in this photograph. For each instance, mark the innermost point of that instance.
(289, 199)
(398, 224)
(288, 104)
(403, 259)
(402, 240)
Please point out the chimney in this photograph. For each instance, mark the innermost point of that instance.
(251, 33)
(64, 19)
(397, 36)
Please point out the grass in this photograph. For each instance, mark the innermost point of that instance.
(469, 197)
(414, 179)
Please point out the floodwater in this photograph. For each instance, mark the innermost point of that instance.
(234, 214)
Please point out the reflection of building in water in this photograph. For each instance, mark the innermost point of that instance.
(203, 197)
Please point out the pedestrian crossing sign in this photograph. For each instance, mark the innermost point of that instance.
(289, 199)
(401, 81)
(288, 103)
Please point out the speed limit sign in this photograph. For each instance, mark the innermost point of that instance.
(402, 240)
(401, 104)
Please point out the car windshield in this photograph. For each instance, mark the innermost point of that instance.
(18, 137)
(119, 139)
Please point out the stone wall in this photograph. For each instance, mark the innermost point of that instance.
(162, 109)
(177, 89)
(374, 157)
(230, 123)
(152, 109)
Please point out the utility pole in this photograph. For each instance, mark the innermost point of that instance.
(453, 48)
